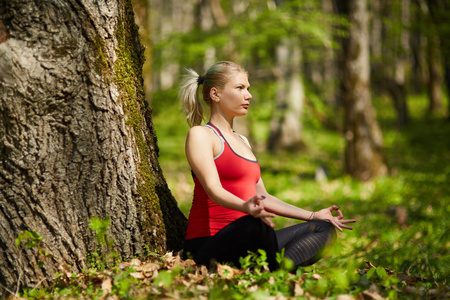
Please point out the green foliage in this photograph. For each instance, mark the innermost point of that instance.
(96, 259)
(100, 227)
(123, 283)
(257, 261)
(31, 239)
(255, 32)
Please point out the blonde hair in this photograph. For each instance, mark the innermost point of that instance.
(217, 76)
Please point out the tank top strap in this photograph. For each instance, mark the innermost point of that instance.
(215, 129)
(220, 136)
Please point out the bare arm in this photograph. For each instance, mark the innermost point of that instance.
(200, 155)
(281, 208)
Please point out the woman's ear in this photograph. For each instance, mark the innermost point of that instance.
(214, 94)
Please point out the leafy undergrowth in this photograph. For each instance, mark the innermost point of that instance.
(169, 277)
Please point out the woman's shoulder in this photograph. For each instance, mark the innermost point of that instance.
(199, 130)
(199, 133)
(199, 139)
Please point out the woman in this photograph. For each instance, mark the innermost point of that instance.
(231, 210)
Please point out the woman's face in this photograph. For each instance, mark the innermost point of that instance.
(234, 98)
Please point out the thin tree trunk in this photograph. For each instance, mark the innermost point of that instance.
(285, 130)
(364, 158)
(76, 140)
(394, 58)
(329, 68)
(434, 85)
(438, 44)
(219, 15)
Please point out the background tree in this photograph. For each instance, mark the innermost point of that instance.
(285, 130)
(439, 13)
(76, 140)
(434, 62)
(389, 44)
(363, 157)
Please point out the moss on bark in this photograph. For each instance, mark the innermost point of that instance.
(128, 77)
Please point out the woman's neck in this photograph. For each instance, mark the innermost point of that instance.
(224, 124)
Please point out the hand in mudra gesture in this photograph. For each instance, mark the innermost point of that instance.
(255, 207)
(338, 221)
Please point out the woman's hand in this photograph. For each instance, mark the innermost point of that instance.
(255, 207)
(338, 222)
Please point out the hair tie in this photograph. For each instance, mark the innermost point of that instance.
(200, 79)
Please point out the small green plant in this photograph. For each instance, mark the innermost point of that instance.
(96, 259)
(122, 284)
(101, 227)
(31, 239)
(284, 262)
(256, 261)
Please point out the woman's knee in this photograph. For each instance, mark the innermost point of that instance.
(330, 229)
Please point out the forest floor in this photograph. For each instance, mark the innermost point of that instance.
(399, 248)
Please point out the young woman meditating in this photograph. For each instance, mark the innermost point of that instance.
(231, 209)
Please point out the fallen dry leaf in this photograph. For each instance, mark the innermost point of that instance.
(345, 297)
(228, 272)
(298, 291)
(137, 275)
(135, 262)
(106, 285)
(187, 263)
(150, 269)
(368, 295)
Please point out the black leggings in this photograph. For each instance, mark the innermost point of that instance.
(303, 243)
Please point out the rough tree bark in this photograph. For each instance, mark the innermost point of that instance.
(76, 139)
(364, 158)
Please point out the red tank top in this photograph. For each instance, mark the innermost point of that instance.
(238, 175)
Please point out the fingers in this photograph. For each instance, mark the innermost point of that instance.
(347, 221)
(256, 209)
(336, 208)
(268, 221)
(339, 224)
(347, 227)
(335, 224)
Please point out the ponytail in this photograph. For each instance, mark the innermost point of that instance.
(190, 101)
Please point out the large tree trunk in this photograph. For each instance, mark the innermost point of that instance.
(364, 158)
(76, 139)
(285, 129)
